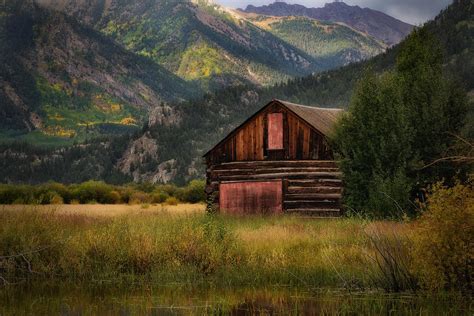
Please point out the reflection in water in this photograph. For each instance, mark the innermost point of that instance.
(177, 300)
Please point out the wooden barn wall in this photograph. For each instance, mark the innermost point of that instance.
(250, 142)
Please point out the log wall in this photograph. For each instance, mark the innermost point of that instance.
(309, 187)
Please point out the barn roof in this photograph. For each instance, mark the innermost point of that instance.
(321, 119)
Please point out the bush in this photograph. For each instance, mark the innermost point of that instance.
(16, 194)
(443, 239)
(99, 192)
(169, 189)
(93, 191)
(139, 198)
(172, 201)
(193, 192)
(159, 197)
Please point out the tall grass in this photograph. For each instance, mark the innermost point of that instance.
(197, 248)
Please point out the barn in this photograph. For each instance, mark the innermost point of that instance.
(277, 161)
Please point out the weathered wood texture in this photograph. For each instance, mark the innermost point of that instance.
(278, 160)
(275, 131)
(251, 141)
(248, 197)
(309, 187)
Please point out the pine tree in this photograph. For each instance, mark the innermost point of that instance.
(397, 124)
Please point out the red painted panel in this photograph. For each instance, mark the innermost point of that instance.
(275, 131)
(251, 197)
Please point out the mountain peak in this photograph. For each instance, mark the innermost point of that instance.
(375, 23)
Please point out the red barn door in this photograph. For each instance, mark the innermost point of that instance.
(251, 197)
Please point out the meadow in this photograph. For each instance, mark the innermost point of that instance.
(146, 258)
(163, 243)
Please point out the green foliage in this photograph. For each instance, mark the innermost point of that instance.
(443, 238)
(193, 192)
(373, 143)
(93, 191)
(102, 193)
(396, 125)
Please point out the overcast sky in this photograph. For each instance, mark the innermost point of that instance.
(411, 11)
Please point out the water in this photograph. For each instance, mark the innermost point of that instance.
(181, 300)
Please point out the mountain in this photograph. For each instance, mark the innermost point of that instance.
(331, 44)
(173, 153)
(211, 45)
(199, 42)
(207, 120)
(77, 69)
(60, 78)
(375, 23)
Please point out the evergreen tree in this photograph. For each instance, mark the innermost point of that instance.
(436, 104)
(373, 143)
(396, 125)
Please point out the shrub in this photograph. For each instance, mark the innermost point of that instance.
(193, 192)
(169, 189)
(139, 198)
(159, 197)
(16, 194)
(444, 238)
(56, 199)
(172, 201)
(59, 189)
(113, 197)
(89, 191)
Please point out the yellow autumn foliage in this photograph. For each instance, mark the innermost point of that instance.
(443, 240)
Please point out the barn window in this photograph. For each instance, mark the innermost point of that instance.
(275, 131)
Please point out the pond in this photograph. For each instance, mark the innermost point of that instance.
(179, 300)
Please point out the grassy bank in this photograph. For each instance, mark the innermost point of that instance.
(163, 246)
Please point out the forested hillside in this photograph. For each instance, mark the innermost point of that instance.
(197, 41)
(211, 45)
(375, 23)
(73, 70)
(331, 44)
(173, 153)
(60, 78)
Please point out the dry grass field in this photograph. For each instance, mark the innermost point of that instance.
(109, 210)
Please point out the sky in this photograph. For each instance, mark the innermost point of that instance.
(411, 11)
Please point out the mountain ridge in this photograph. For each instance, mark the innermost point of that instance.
(375, 23)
